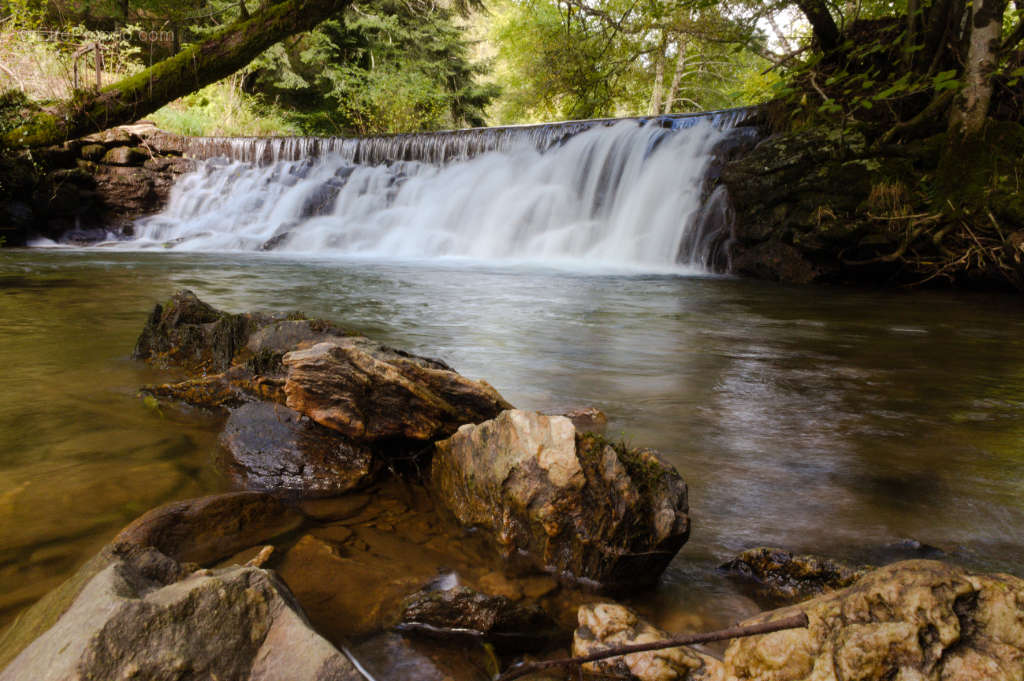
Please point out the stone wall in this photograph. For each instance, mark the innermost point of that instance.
(81, 190)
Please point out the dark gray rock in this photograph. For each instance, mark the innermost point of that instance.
(272, 448)
(460, 612)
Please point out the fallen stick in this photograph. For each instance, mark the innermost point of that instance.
(793, 622)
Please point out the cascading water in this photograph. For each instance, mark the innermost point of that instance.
(623, 194)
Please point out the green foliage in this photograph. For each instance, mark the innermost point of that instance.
(222, 109)
(387, 67)
(568, 59)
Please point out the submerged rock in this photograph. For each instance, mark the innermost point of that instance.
(273, 448)
(207, 529)
(459, 611)
(608, 625)
(144, 616)
(573, 503)
(370, 392)
(916, 619)
(783, 575)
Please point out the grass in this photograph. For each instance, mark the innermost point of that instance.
(223, 109)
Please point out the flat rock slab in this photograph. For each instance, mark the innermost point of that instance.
(370, 392)
(144, 616)
(272, 448)
(575, 504)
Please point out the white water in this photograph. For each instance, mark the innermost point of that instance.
(625, 195)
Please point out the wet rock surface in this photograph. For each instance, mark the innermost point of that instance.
(610, 625)
(574, 504)
(915, 619)
(146, 616)
(459, 612)
(271, 447)
(207, 529)
(784, 576)
(370, 392)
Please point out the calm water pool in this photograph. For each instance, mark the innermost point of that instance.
(816, 419)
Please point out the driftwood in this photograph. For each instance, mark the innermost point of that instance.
(793, 622)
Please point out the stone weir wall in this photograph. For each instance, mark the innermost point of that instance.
(85, 189)
(442, 146)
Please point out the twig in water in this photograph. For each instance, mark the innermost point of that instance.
(792, 622)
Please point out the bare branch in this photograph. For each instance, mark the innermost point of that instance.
(793, 622)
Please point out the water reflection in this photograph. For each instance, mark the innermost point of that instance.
(814, 419)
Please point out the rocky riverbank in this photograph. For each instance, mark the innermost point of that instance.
(86, 189)
(395, 515)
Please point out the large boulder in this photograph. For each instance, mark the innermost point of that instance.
(371, 393)
(575, 504)
(202, 531)
(609, 625)
(276, 449)
(918, 619)
(145, 616)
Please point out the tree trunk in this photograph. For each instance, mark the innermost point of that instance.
(969, 112)
(825, 29)
(659, 80)
(673, 90)
(196, 66)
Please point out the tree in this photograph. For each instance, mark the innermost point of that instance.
(383, 66)
(587, 58)
(221, 54)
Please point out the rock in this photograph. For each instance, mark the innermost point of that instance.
(786, 576)
(393, 657)
(607, 625)
(573, 503)
(268, 345)
(587, 419)
(916, 619)
(371, 392)
(206, 529)
(143, 616)
(125, 156)
(174, 165)
(775, 261)
(273, 448)
(187, 332)
(208, 392)
(93, 152)
(119, 136)
(459, 611)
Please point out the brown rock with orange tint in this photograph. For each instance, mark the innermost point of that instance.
(370, 392)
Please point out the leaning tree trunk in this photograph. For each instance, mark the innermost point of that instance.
(198, 65)
(969, 112)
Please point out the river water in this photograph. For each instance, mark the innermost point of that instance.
(815, 419)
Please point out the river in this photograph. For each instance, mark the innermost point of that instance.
(816, 419)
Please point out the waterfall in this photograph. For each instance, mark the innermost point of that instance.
(623, 193)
